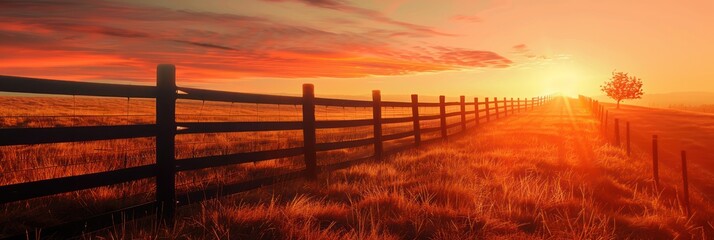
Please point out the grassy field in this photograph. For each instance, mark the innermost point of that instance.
(25, 163)
(677, 130)
(545, 174)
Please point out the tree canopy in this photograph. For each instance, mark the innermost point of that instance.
(621, 86)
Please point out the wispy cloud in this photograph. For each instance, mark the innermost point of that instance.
(369, 15)
(467, 18)
(115, 41)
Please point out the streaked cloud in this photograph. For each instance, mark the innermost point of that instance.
(117, 41)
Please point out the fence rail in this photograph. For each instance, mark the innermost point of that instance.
(166, 128)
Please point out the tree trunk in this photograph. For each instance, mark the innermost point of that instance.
(618, 104)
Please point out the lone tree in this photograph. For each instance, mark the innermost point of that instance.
(621, 87)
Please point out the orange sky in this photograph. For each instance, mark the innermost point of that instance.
(474, 48)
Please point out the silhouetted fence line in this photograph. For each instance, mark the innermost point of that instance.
(166, 128)
(602, 114)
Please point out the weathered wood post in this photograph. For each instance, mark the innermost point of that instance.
(415, 115)
(442, 115)
(533, 103)
(655, 161)
(617, 132)
(505, 107)
(606, 120)
(519, 106)
(463, 112)
(377, 119)
(165, 142)
(495, 102)
(685, 181)
(308, 131)
(513, 110)
(488, 111)
(476, 111)
(627, 138)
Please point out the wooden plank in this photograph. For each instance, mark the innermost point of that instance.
(29, 190)
(235, 158)
(62, 87)
(343, 123)
(427, 104)
(344, 144)
(216, 127)
(396, 104)
(453, 125)
(453, 114)
(429, 117)
(224, 96)
(397, 120)
(342, 102)
(397, 136)
(19, 136)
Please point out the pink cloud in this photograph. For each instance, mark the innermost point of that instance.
(112, 41)
(467, 18)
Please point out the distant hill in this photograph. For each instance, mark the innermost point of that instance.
(669, 100)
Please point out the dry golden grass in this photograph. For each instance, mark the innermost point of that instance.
(26, 163)
(537, 175)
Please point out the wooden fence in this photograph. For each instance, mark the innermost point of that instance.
(602, 114)
(165, 129)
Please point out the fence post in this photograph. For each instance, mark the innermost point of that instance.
(505, 107)
(605, 126)
(476, 111)
(495, 102)
(513, 110)
(685, 180)
(308, 130)
(463, 113)
(442, 114)
(617, 132)
(165, 142)
(518, 106)
(532, 103)
(488, 111)
(377, 117)
(655, 160)
(415, 115)
(627, 138)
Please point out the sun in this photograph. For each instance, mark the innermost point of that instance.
(565, 79)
